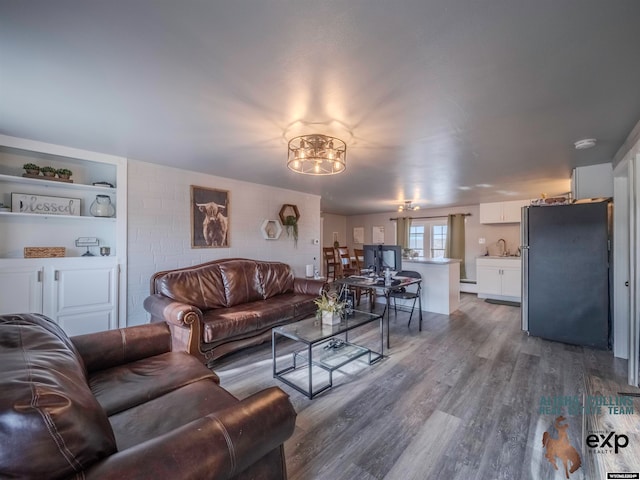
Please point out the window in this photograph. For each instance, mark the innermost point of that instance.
(438, 240)
(416, 239)
(428, 237)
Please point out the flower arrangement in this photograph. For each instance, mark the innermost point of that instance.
(329, 308)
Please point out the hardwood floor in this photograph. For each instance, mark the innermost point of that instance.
(459, 400)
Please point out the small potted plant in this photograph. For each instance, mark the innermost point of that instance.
(291, 224)
(31, 168)
(48, 171)
(64, 173)
(330, 308)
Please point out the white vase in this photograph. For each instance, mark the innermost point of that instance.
(328, 318)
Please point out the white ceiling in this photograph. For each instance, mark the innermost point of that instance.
(442, 102)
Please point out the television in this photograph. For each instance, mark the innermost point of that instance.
(381, 257)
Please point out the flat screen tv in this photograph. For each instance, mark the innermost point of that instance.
(382, 257)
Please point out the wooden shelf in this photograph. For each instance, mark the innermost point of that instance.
(65, 217)
(55, 184)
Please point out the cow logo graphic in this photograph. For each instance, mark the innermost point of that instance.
(561, 448)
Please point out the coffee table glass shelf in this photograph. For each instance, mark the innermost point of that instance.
(327, 348)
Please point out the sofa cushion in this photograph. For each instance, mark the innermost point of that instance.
(201, 286)
(241, 281)
(244, 319)
(276, 278)
(131, 384)
(55, 424)
(169, 411)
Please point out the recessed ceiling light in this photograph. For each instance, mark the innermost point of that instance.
(585, 143)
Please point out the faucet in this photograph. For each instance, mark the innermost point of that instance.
(504, 246)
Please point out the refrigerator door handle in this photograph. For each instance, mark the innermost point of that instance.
(524, 252)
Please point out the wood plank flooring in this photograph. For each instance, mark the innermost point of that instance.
(459, 400)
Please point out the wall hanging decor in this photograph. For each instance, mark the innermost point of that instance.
(271, 229)
(289, 216)
(44, 205)
(209, 218)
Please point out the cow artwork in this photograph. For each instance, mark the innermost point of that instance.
(209, 218)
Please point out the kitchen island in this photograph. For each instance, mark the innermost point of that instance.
(440, 282)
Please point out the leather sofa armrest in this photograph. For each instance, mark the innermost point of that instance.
(164, 308)
(219, 445)
(308, 286)
(107, 349)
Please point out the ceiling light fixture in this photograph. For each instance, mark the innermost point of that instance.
(408, 206)
(317, 155)
(585, 143)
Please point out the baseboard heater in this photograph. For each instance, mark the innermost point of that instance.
(468, 286)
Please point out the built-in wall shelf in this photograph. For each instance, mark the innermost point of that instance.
(82, 294)
(58, 217)
(53, 184)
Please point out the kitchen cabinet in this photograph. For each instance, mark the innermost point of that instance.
(80, 293)
(592, 181)
(499, 278)
(502, 212)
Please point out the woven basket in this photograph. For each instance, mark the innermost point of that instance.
(44, 252)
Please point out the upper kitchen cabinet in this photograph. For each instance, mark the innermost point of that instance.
(593, 181)
(502, 212)
(40, 211)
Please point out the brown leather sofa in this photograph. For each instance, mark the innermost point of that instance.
(222, 306)
(121, 404)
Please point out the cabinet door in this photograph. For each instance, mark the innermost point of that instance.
(511, 282)
(84, 299)
(489, 280)
(21, 290)
(491, 212)
(512, 211)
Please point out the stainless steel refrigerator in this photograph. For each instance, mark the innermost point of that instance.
(565, 273)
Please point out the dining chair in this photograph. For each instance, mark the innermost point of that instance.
(358, 254)
(345, 262)
(331, 264)
(408, 292)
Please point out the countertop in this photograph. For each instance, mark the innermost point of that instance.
(501, 257)
(436, 261)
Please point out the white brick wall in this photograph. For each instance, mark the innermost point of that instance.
(159, 235)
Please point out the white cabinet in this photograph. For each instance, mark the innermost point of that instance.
(592, 181)
(499, 278)
(502, 212)
(20, 287)
(80, 293)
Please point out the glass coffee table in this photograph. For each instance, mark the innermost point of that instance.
(326, 349)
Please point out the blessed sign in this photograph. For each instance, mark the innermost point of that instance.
(43, 205)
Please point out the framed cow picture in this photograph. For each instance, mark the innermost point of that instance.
(209, 218)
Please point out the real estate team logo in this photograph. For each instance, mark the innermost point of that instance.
(558, 447)
(561, 448)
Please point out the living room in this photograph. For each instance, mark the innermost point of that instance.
(448, 104)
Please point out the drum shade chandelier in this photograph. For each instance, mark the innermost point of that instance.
(317, 155)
